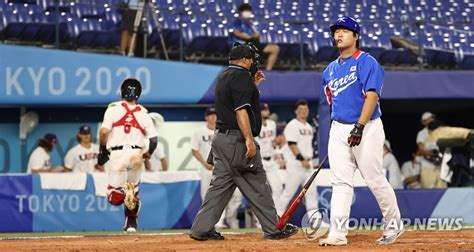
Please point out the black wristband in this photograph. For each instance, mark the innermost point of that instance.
(299, 157)
(153, 145)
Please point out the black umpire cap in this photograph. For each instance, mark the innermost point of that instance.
(241, 51)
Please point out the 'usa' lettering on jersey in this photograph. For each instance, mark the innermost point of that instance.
(302, 134)
(266, 137)
(345, 83)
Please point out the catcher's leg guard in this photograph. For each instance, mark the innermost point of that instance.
(115, 195)
(131, 196)
(134, 212)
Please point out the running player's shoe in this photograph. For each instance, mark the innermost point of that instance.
(130, 224)
(389, 239)
(332, 241)
(131, 216)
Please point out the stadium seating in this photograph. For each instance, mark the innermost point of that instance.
(468, 62)
(14, 23)
(204, 24)
(326, 54)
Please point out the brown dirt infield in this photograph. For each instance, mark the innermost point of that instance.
(358, 241)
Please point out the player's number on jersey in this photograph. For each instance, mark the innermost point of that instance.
(126, 128)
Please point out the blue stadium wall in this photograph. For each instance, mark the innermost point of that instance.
(26, 207)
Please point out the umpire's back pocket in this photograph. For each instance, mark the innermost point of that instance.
(241, 162)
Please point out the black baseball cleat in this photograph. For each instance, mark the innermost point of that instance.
(213, 235)
(130, 225)
(289, 230)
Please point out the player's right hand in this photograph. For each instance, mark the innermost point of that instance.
(102, 159)
(281, 163)
(103, 156)
(208, 167)
(146, 155)
(259, 77)
(251, 148)
(306, 164)
(99, 168)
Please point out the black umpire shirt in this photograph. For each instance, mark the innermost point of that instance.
(236, 90)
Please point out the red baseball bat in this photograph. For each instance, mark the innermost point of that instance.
(289, 212)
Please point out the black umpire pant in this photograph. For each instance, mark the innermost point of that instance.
(232, 169)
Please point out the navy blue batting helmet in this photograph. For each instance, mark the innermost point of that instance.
(345, 22)
(131, 89)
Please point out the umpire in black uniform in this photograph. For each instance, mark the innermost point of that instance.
(235, 154)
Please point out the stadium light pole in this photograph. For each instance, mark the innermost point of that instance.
(56, 9)
(300, 24)
(302, 63)
(181, 46)
(420, 49)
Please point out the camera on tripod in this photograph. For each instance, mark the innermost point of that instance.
(140, 25)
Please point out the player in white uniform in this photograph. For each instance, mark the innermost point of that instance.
(353, 84)
(391, 167)
(299, 134)
(411, 171)
(424, 133)
(282, 153)
(266, 142)
(125, 129)
(157, 162)
(83, 156)
(200, 148)
(429, 174)
(40, 161)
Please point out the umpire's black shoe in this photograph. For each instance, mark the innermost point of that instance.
(289, 230)
(213, 235)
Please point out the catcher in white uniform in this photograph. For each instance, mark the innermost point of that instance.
(125, 129)
(83, 156)
(200, 148)
(299, 134)
(266, 142)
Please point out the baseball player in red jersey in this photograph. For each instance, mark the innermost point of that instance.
(125, 129)
(353, 84)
